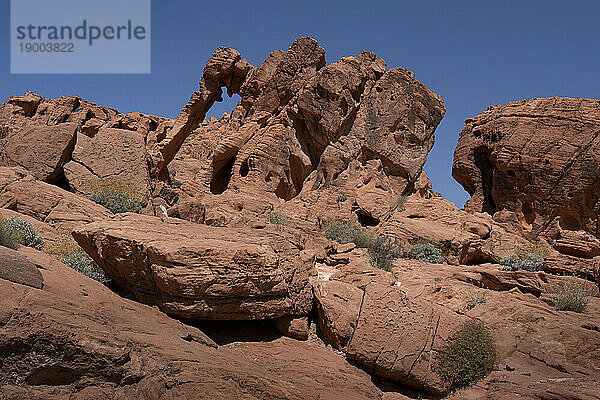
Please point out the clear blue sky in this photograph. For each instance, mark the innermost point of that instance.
(472, 53)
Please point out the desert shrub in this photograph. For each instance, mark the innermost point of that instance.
(69, 253)
(539, 249)
(115, 195)
(341, 198)
(29, 236)
(277, 218)
(528, 262)
(8, 236)
(176, 184)
(383, 253)
(401, 201)
(469, 355)
(570, 296)
(427, 252)
(82, 263)
(474, 298)
(15, 232)
(347, 232)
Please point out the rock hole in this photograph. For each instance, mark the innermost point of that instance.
(528, 212)
(483, 162)
(244, 168)
(153, 125)
(366, 219)
(344, 106)
(569, 222)
(511, 173)
(221, 175)
(54, 375)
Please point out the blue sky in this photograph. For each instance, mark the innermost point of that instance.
(472, 53)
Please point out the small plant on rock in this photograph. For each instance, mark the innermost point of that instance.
(277, 218)
(469, 355)
(347, 232)
(8, 236)
(528, 262)
(70, 254)
(115, 195)
(427, 252)
(401, 202)
(15, 232)
(82, 263)
(474, 298)
(341, 198)
(383, 253)
(570, 296)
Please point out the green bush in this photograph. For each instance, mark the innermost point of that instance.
(570, 296)
(15, 232)
(8, 236)
(427, 252)
(383, 253)
(347, 232)
(115, 195)
(469, 355)
(68, 252)
(83, 264)
(277, 218)
(341, 198)
(528, 262)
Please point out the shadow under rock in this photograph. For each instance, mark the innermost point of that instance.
(226, 332)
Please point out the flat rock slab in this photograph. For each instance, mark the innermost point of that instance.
(196, 271)
(15, 268)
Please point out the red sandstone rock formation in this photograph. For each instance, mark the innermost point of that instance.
(307, 142)
(534, 164)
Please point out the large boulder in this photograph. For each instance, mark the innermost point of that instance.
(14, 268)
(539, 160)
(200, 272)
(42, 149)
(110, 154)
(539, 348)
(75, 339)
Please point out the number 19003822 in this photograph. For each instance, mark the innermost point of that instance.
(46, 47)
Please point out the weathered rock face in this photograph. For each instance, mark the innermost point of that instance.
(47, 135)
(537, 346)
(110, 154)
(302, 126)
(15, 269)
(63, 210)
(200, 272)
(224, 68)
(397, 330)
(399, 338)
(538, 159)
(77, 339)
